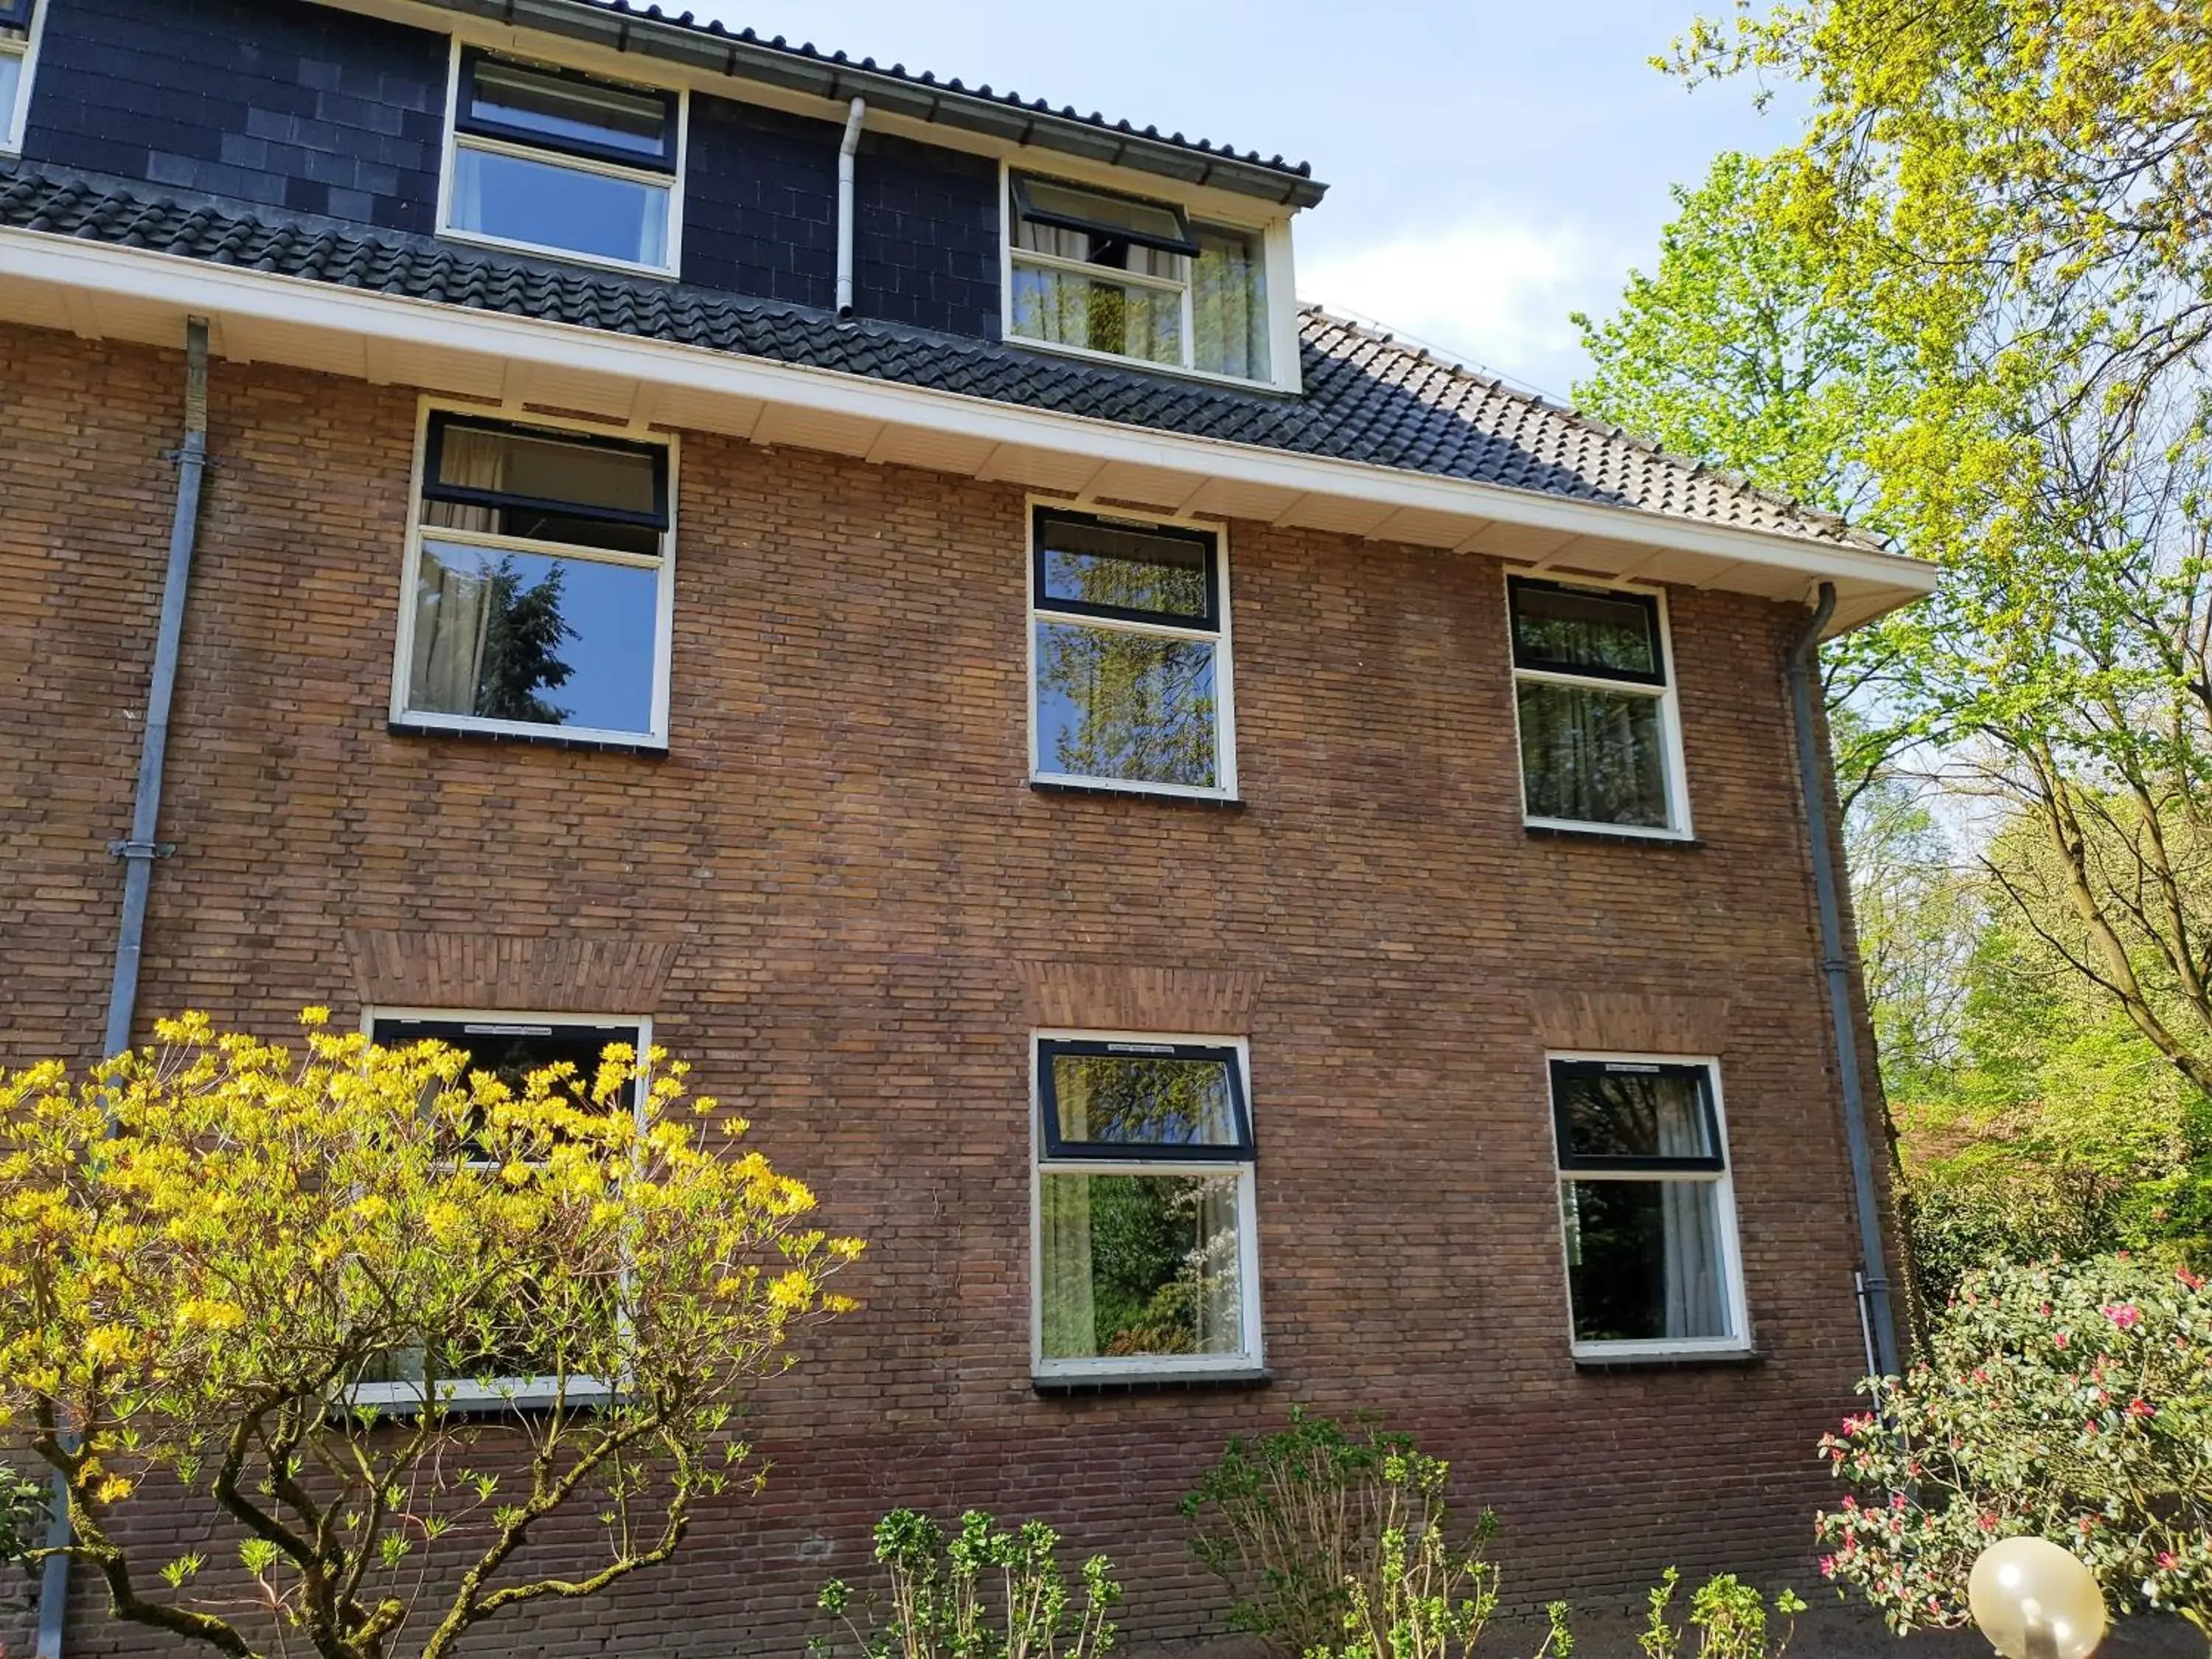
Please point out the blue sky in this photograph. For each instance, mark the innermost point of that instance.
(1493, 165)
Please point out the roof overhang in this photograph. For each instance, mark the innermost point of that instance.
(698, 51)
(102, 291)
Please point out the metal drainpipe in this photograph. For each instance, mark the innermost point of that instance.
(1874, 1280)
(140, 851)
(854, 118)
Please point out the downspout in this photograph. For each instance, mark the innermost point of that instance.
(854, 118)
(140, 851)
(1874, 1278)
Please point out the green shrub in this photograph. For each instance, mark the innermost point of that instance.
(986, 1593)
(1729, 1616)
(2072, 1402)
(1329, 1540)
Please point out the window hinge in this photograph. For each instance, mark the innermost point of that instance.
(141, 849)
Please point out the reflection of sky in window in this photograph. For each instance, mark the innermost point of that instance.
(613, 612)
(596, 115)
(555, 206)
(11, 73)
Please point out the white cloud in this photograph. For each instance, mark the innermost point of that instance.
(1491, 291)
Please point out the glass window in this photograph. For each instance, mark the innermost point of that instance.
(550, 159)
(496, 1359)
(1130, 648)
(1144, 1250)
(1645, 1205)
(1593, 701)
(537, 582)
(15, 18)
(1136, 279)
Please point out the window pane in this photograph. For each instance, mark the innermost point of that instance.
(1132, 706)
(1644, 1260)
(524, 636)
(1597, 631)
(1067, 309)
(612, 118)
(1126, 567)
(1145, 1100)
(506, 1338)
(1592, 756)
(547, 468)
(1140, 1265)
(1630, 1114)
(1229, 304)
(549, 204)
(1108, 212)
(12, 77)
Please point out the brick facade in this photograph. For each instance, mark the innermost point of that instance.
(842, 902)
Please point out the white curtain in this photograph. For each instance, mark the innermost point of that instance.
(1071, 1316)
(1693, 1246)
(1229, 304)
(454, 603)
(1217, 1266)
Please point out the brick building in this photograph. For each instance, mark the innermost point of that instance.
(1253, 865)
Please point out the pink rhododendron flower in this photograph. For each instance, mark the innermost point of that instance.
(2141, 1409)
(2060, 1340)
(2123, 1314)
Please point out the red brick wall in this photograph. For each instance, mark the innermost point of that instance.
(856, 899)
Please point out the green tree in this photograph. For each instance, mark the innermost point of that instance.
(205, 1247)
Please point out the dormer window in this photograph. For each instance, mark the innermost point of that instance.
(16, 17)
(560, 162)
(1097, 272)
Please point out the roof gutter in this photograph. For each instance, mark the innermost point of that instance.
(710, 48)
(1873, 1272)
(435, 333)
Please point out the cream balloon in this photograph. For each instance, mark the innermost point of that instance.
(2035, 1601)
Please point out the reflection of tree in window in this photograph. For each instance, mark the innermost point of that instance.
(523, 629)
(1155, 1256)
(1144, 705)
(1155, 1102)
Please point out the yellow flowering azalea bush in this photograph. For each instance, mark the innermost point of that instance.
(215, 1254)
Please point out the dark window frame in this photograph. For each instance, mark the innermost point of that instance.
(1057, 1149)
(1582, 1165)
(1647, 601)
(530, 138)
(464, 495)
(1188, 246)
(390, 1031)
(1209, 541)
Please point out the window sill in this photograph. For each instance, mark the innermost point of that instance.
(1716, 1359)
(471, 1400)
(644, 747)
(1145, 365)
(1137, 792)
(560, 255)
(1611, 837)
(1150, 1383)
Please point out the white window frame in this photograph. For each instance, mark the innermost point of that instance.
(1225, 677)
(664, 606)
(1738, 1340)
(1251, 1362)
(15, 122)
(1679, 826)
(1283, 373)
(672, 182)
(516, 1393)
